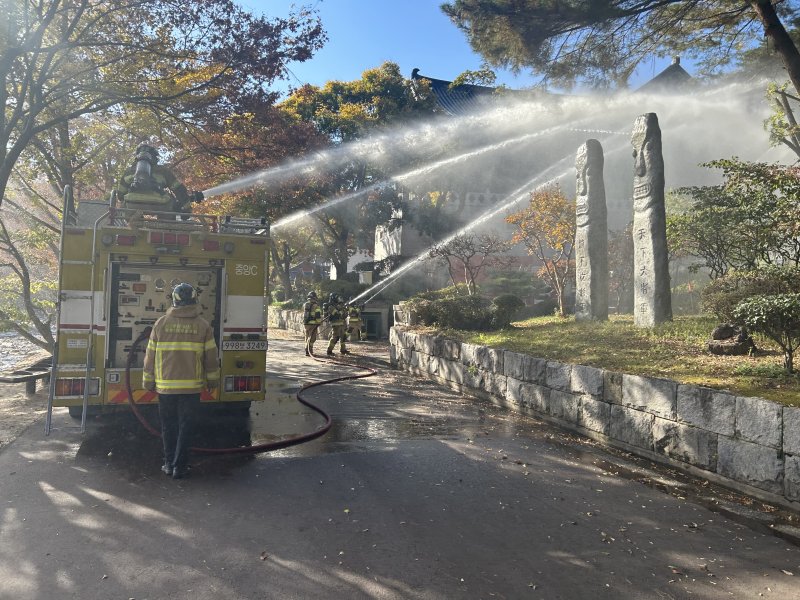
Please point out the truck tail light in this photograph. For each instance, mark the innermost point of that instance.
(243, 383)
(126, 240)
(74, 386)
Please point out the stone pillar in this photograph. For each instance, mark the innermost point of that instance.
(591, 235)
(652, 296)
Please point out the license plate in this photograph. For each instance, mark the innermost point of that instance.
(260, 345)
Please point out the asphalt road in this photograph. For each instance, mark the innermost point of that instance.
(416, 492)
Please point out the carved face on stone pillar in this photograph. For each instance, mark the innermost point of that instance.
(589, 169)
(646, 144)
(581, 187)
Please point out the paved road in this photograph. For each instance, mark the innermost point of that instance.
(415, 493)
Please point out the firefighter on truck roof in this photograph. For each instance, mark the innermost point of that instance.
(150, 187)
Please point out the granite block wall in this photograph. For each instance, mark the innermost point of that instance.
(748, 441)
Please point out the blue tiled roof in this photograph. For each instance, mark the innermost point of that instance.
(464, 99)
(456, 100)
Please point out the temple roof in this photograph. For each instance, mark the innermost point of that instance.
(672, 79)
(466, 98)
(456, 100)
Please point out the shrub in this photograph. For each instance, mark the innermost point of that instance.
(504, 308)
(456, 312)
(777, 317)
(278, 295)
(721, 296)
(289, 305)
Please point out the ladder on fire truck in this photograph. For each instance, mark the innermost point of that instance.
(124, 219)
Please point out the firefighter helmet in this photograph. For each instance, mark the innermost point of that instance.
(147, 149)
(183, 294)
(312, 295)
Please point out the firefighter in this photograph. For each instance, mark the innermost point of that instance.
(181, 360)
(336, 313)
(354, 321)
(312, 319)
(147, 186)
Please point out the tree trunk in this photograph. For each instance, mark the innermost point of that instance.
(279, 266)
(782, 42)
(788, 361)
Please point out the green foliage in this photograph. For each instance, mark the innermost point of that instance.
(293, 304)
(751, 219)
(721, 295)
(504, 308)
(448, 309)
(601, 43)
(520, 283)
(483, 76)
(345, 111)
(775, 316)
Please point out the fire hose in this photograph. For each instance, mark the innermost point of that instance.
(266, 447)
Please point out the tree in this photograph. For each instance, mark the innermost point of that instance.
(471, 254)
(777, 317)
(547, 228)
(60, 60)
(72, 72)
(620, 267)
(603, 41)
(346, 112)
(28, 255)
(752, 219)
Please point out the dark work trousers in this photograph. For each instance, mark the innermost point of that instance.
(177, 415)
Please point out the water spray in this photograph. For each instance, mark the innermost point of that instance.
(516, 196)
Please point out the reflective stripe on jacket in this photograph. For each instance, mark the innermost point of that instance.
(181, 355)
(312, 313)
(335, 313)
(353, 314)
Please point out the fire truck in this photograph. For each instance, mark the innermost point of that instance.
(117, 270)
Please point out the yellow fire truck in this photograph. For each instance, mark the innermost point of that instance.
(117, 271)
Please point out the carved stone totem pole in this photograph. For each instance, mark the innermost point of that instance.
(652, 297)
(591, 235)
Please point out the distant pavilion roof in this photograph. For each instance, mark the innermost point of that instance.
(466, 98)
(672, 79)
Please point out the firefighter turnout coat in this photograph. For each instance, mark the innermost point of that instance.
(158, 198)
(181, 356)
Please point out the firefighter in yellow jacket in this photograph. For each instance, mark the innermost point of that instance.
(336, 313)
(181, 360)
(312, 319)
(355, 334)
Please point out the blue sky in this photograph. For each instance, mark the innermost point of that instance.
(413, 33)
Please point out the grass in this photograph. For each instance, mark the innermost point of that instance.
(675, 350)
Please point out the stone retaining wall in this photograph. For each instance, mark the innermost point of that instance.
(292, 320)
(749, 443)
